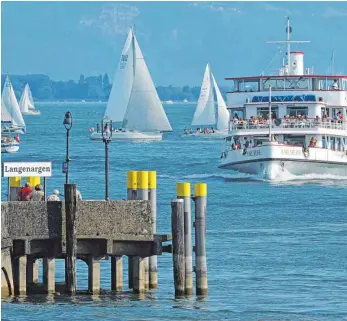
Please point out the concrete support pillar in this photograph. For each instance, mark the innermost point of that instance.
(139, 275)
(20, 270)
(7, 285)
(146, 259)
(93, 275)
(49, 274)
(32, 271)
(117, 273)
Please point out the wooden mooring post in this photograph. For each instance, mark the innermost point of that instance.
(183, 192)
(131, 195)
(71, 240)
(142, 194)
(178, 255)
(200, 238)
(152, 196)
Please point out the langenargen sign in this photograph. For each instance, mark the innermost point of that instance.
(26, 169)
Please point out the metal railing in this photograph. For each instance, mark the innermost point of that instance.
(287, 123)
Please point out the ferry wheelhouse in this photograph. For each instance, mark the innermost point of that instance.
(293, 122)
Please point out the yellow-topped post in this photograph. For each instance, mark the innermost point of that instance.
(131, 190)
(200, 190)
(142, 194)
(14, 185)
(34, 180)
(183, 192)
(152, 195)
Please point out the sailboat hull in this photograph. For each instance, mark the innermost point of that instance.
(217, 134)
(32, 112)
(12, 130)
(129, 135)
(9, 148)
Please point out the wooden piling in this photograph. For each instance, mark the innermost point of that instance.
(183, 192)
(71, 240)
(142, 194)
(131, 195)
(49, 274)
(200, 238)
(177, 225)
(152, 195)
(117, 273)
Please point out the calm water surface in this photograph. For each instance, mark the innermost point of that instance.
(275, 251)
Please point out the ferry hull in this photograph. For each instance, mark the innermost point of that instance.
(129, 136)
(278, 161)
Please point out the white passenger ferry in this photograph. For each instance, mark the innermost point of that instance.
(294, 122)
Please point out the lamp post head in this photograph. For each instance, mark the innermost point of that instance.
(106, 129)
(68, 120)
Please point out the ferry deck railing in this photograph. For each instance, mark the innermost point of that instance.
(287, 123)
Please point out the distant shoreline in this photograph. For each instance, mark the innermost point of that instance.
(102, 102)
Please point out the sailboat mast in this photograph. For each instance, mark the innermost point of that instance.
(288, 43)
(270, 118)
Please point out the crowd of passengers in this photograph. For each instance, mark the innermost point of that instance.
(255, 120)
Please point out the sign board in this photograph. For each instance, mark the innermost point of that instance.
(65, 168)
(26, 169)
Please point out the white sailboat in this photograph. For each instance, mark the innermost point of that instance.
(26, 102)
(11, 116)
(134, 100)
(207, 112)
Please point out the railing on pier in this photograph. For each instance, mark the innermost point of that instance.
(287, 123)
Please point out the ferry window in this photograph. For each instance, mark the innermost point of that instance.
(332, 143)
(335, 111)
(324, 142)
(325, 112)
(294, 140)
(264, 112)
(296, 111)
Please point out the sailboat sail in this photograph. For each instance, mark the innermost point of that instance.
(26, 102)
(9, 102)
(205, 110)
(222, 112)
(121, 87)
(145, 112)
(5, 115)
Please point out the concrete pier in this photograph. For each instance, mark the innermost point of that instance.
(20, 282)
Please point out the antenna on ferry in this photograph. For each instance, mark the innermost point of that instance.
(270, 118)
(332, 61)
(289, 30)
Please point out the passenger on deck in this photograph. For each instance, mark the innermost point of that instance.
(312, 142)
(233, 146)
(212, 130)
(246, 144)
(335, 85)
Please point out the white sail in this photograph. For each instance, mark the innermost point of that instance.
(9, 101)
(145, 112)
(122, 83)
(26, 102)
(205, 110)
(222, 112)
(5, 115)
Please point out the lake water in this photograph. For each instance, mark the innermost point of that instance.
(275, 251)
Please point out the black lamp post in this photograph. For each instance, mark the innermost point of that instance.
(68, 124)
(106, 129)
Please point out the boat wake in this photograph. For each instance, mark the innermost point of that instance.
(284, 178)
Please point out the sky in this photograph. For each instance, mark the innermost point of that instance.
(66, 39)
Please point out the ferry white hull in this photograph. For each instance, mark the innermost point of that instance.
(274, 161)
(129, 135)
(9, 148)
(33, 112)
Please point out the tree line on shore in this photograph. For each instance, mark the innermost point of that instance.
(90, 88)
